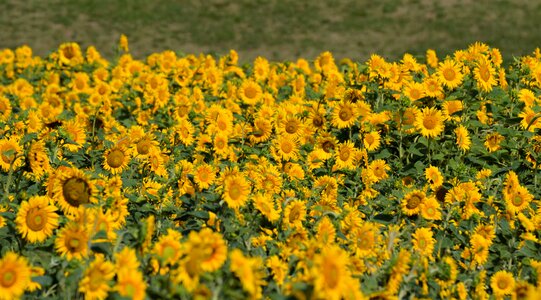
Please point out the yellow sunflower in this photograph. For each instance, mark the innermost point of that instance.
(414, 91)
(492, 141)
(70, 54)
(290, 126)
(5, 108)
(36, 219)
(38, 159)
(434, 177)
(14, 276)
(250, 271)
(485, 75)
(236, 190)
(131, 284)
(449, 74)
(411, 203)
(372, 140)
(502, 283)
(264, 203)
(379, 169)
(430, 209)
(71, 189)
(75, 132)
(10, 154)
(261, 130)
(96, 278)
(517, 199)
(423, 241)
(250, 92)
(295, 213)
(210, 247)
(116, 159)
(345, 156)
(430, 122)
(463, 139)
(285, 148)
(72, 241)
(204, 175)
(331, 273)
(344, 114)
(168, 248)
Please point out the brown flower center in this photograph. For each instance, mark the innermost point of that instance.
(250, 92)
(484, 72)
(344, 154)
(317, 121)
(74, 244)
(8, 279)
(502, 284)
(449, 74)
(413, 202)
(291, 127)
(430, 122)
(76, 191)
(36, 219)
(235, 191)
(327, 146)
(286, 147)
(115, 158)
(345, 114)
(143, 147)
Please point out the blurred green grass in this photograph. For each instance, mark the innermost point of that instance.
(276, 29)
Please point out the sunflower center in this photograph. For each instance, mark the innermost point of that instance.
(74, 244)
(317, 121)
(250, 92)
(344, 154)
(413, 202)
(130, 290)
(421, 243)
(115, 158)
(222, 125)
(68, 53)
(331, 274)
(430, 211)
(36, 219)
(220, 144)
(76, 191)
(449, 74)
(327, 146)
(168, 252)
(95, 280)
(517, 200)
(8, 155)
(291, 127)
(430, 122)
(484, 72)
(294, 215)
(3, 107)
(143, 147)
(345, 114)
(286, 147)
(235, 192)
(502, 284)
(8, 279)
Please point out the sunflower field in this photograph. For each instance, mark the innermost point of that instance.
(197, 177)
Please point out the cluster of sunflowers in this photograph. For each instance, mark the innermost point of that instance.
(185, 176)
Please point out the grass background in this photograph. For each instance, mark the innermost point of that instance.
(276, 29)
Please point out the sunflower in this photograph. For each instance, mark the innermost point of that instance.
(38, 159)
(327, 142)
(145, 144)
(434, 177)
(431, 58)
(250, 271)
(279, 269)
(485, 75)
(221, 145)
(414, 91)
(463, 139)
(168, 248)
(290, 126)
(269, 180)
(250, 92)
(423, 241)
(316, 117)
(75, 132)
(261, 130)
(429, 122)
(72, 189)
(131, 284)
(70, 54)
(517, 199)
(5, 108)
(204, 175)
(285, 148)
(344, 114)
(210, 247)
(116, 159)
(236, 190)
(450, 107)
(96, 278)
(433, 87)
(72, 241)
(345, 156)
(264, 203)
(36, 219)
(379, 169)
(331, 273)
(502, 283)
(372, 140)
(10, 154)
(295, 213)
(14, 276)
(325, 231)
(530, 119)
(430, 209)
(493, 140)
(411, 203)
(449, 74)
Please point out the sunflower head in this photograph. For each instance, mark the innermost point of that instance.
(72, 189)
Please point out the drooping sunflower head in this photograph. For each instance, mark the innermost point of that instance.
(72, 188)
